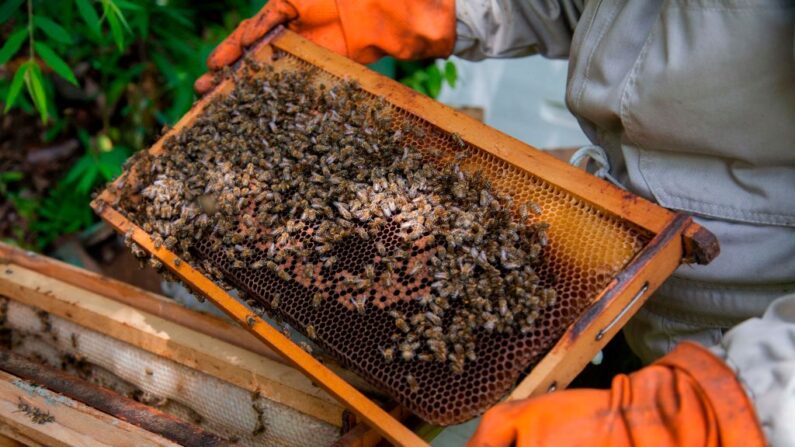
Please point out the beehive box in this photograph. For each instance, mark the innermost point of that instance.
(209, 374)
(607, 251)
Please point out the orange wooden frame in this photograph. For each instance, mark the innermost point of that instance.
(676, 239)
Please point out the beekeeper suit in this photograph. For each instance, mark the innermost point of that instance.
(690, 104)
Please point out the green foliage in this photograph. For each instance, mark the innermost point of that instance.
(425, 77)
(65, 210)
(6, 178)
(428, 79)
(110, 73)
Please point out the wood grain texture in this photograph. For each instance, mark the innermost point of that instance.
(169, 340)
(74, 424)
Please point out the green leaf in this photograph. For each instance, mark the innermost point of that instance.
(12, 45)
(52, 29)
(35, 85)
(79, 169)
(450, 73)
(118, 85)
(130, 6)
(114, 23)
(87, 180)
(85, 139)
(89, 15)
(118, 13)
(55, 62)
(11, 176)
(16, 86)
(54, 130)
(110, 162)
(420, 76)
(434, 81)
(8, 8)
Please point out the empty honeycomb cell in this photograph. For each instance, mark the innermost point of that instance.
(586, 248)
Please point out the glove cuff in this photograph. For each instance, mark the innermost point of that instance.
(737, 422)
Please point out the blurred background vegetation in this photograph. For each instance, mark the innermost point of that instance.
(85, 83)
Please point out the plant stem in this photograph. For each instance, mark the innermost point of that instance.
(30, 29)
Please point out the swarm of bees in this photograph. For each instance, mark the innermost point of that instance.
(285, 153)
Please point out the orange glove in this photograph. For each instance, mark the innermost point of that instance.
(363, 30)
(687, 398)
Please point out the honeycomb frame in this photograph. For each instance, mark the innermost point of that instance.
(586, 241)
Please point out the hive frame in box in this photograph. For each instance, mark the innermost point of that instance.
(102, 312)
(676, 239)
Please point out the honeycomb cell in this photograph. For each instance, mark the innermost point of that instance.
(586, 249)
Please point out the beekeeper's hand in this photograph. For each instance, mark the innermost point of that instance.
(687, 398)
(363, 30)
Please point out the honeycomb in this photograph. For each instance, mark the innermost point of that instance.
(586, 249)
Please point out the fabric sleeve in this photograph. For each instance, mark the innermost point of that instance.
(761, 352)
(513, 28)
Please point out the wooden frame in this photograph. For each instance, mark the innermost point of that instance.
(164, 328)
(156, 305)
(676, 239)
(73, 423)
(169, 340)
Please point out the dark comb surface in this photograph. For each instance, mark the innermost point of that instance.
(586, 249)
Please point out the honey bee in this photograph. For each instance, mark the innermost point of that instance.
(359, 303)
(416, 268)
(310, 331)
(433, 318)
(157, 240)
(456, 362)
(388, 353)
(413, 385)
(425, 357)
(407, 351)
(457, 139)
(402, 325)
(362, 233)
(128, 237)
(317, 298)
(380, 248)
(369, 271)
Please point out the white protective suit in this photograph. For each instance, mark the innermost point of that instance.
(694, 103)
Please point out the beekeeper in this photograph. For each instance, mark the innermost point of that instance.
(689, 103)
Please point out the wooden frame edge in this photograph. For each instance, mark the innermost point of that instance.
(73, 420)
(625, 295)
